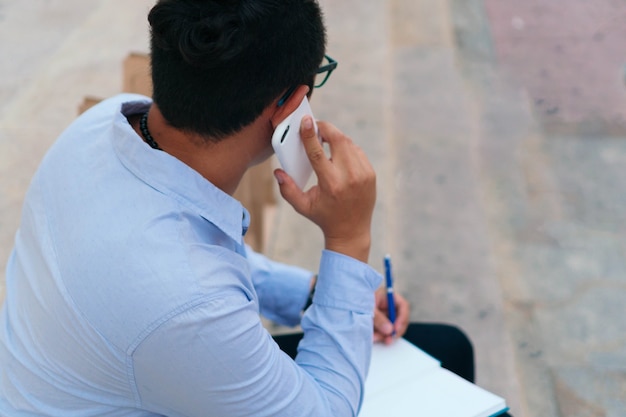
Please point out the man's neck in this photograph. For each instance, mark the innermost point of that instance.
(223, 163)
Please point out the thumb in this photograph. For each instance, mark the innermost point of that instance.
(290, 191)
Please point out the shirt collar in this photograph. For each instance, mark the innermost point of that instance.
(174, 178)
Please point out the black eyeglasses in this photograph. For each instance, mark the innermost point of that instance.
(321, 76)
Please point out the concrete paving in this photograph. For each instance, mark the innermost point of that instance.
(500, 191)
(552, 132)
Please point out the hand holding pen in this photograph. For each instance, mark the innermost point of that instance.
(383, 327)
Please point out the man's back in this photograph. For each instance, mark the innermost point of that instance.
(85, 288)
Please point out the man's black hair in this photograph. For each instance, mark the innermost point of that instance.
(217, 64)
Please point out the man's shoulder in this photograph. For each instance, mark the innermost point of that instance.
(119, 102)
(108, 111)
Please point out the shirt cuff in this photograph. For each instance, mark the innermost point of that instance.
(346, 283)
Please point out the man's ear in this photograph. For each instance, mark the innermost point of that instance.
(289, 106)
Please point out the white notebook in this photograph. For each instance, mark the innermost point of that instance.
(404, 381)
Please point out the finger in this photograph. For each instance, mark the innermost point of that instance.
(382, 324)
(382, 329)
(291, 192)
(381, 338)
(380, 297)
(336, 139)
(329, 132)
(344, 152)
(400, 327)
(403, 313)
(312, 145)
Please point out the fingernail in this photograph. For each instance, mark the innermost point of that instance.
(387, 328)
(279, 178)
(307, 122)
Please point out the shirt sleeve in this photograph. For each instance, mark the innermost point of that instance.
(282, 289)
(216, 358)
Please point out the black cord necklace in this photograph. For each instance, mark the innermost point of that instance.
(143, 126)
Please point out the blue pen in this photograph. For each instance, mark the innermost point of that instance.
(391, 305)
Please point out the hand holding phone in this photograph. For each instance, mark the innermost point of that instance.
(342, 201)
(288, 145)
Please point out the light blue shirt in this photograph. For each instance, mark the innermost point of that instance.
(130, 293)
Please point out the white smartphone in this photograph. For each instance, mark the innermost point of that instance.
(288, 145)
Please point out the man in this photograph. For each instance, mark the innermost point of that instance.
(130, 291)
